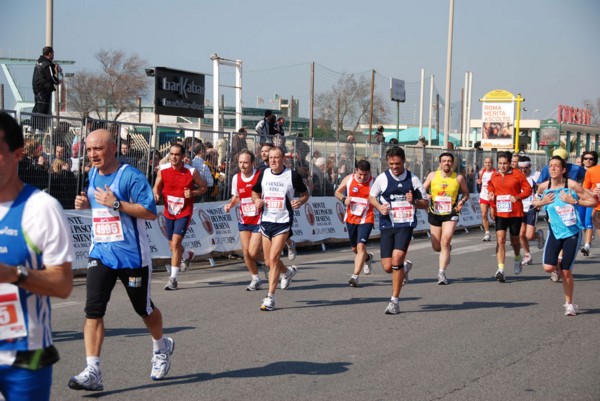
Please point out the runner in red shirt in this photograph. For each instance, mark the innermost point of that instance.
(249, 215)
(506, 189)
(175, 181)
(353, 192)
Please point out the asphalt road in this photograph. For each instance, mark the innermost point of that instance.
(474, 339)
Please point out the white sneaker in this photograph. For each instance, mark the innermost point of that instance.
(292, 251)
(407, 266)
(571, 309)
(161, 362)
(486, 238)
(393, 308)
(500, 276)
(268, 304)
(527, 260)
(286, 279)
(368, 264)
(442, 280)
(90, 380)
(555, 276)
(255, 284)
(185, 263)
(353, 281)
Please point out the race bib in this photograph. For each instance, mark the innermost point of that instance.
(248, 207)
(175, 204)
(402, 212)
(107, 225)
(503, 204)
(566, 214)
(274, 202)
(442, 204)
(358, 206)
(12, 320)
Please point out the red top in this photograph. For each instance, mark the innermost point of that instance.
(249, 214)
(174, 184)
(512, 183)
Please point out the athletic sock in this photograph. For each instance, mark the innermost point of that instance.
(174, 271)
(394, 300)
(517, 258)
(93, 361)
(255, 277)
(500, 266)
(158, 345)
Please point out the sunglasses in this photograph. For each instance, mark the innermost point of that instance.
(588, 158)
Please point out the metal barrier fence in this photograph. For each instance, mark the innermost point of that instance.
(55, 160)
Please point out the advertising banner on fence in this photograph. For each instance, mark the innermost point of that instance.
(213, 230)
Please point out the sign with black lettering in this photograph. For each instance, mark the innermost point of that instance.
(178, 93)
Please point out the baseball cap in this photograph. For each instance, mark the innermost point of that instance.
(561, 152)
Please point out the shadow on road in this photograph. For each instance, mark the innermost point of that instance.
(62, 336)
(273, 369)
(473, 305)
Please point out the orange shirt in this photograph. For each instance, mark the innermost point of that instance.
(512, 183)
(592, 179)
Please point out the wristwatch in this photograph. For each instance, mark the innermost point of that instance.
(23, 274)
(116, 204)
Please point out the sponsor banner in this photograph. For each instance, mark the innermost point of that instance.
(213, 230)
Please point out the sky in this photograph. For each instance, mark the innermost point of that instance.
(546, 50)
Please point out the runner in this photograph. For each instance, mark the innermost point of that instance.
(35, 264)
(592, 183)
(589, 159)
(121, 200)
(264, 154)
(528, 232)
(176, 181)
(444, 207)
(560, 196)
(506, 188)
(353, 192)
(249, 216)
(395, 194)
(484, 177)
(274, 192)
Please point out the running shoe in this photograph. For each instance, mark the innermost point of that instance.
(286, 279)
(368, 264)
(185, 263)
(172, 284)
(292, 251)
(571, 309)
(539, 234)
(585, 250)
(555, 275)
(255, 284)
(90, 380)
(407, 266)
(442, 280)
(161, 361)
(486, 238)
(500, 276)
(393, 308)
(268, 304)
(527, 260)
(517, 267)
(353, 281)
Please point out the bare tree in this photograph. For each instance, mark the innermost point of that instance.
(595, 109)
(115, 89)
(353, 95)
